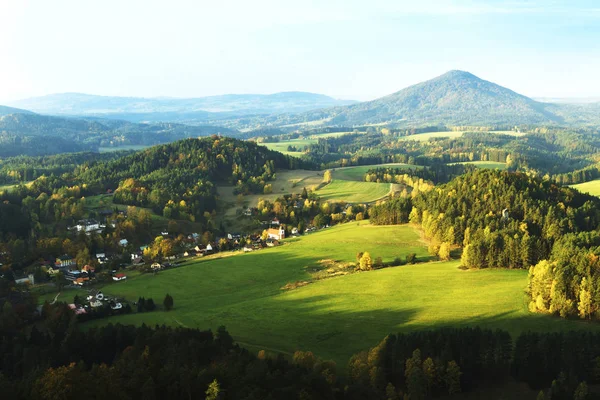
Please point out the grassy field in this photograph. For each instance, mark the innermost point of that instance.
(486, 164)
(339, 316)
(6, 188)
(358, 173)
(124, 147)
(331, 134)
(353, 191)
(292, 181)
(282, 146)
(450, 134)
(591, 187)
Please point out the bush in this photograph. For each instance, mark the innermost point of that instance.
(411, 258)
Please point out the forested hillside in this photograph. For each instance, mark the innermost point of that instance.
(13, 145)
(4, 110)
(178, 179)
(503, 219)
(21, 132)
(511, 220)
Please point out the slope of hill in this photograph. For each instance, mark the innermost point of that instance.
(178, 179)
(89, 134)
(455, 98)
(4, 110)
(171, 109)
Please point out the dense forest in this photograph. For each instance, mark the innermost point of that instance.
(511, 220)
(21, 169)
(56, 359)
(34, 134)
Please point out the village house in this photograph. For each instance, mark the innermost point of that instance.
(101, 256)
(24, 279)
(276, 234)
(73, 275)
(119, 277)
(88, 225)
(156, 267)
(275, 222)
(65, 261)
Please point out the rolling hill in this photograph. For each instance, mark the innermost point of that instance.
(4, 110)
(454, 98)
(35, 134)
(192, 110)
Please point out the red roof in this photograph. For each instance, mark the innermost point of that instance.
(120, 276)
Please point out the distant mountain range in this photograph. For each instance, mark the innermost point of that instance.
(194, 110)
(455, 98)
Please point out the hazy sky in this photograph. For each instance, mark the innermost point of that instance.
(348, 48)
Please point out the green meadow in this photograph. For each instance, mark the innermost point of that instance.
(358, 173)
(486, 164)
(282, 147)
(451, 134)
(591, 187)
(339, 316)
(134, 147)
(353, 191)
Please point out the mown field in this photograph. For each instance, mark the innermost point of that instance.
(353, 191)
(450, 134)
(591, 187)
(358, 173)
(135, 147)
(6, 188)
(486, 164)
(282, 147)
(339, 316)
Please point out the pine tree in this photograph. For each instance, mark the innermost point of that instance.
(168, 302)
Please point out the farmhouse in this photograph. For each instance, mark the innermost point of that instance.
(24, 279)
(119, 277)
(276, 234)
(87, 225)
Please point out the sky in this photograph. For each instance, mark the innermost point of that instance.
(351, 49)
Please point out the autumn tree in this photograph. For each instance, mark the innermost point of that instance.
(366, 262)
(585, 299)
(444, 252)
(213, 391)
